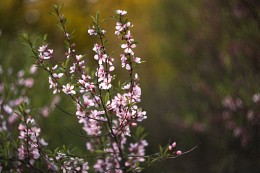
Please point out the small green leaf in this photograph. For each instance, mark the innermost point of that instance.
(97, 17)
(45, 37)
(160, 148)
(99, 151)
(107, 97)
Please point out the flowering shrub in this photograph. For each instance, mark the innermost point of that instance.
(108, 115)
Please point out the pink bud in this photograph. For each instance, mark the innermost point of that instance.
(170, 147)
(134, 124)
(179, 152)
(174, 145)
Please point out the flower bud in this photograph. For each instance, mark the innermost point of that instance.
(174, 145)
(179, 152)
(170, 147)
(134, 124)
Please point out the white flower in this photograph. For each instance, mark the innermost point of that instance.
(58, 76)
(92, 32)
(128, 67)
(121, 12)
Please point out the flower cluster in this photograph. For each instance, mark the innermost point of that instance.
(70, 164)
(121, 106)
(137, 151)
(105, 114)
(54, 78)
(105, 67)
(122, 29)
(30, 141)
(172, 147)
(108, 115)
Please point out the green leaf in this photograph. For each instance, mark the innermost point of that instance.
(97, 17)
(99, 151)
(45, 37)
(160, 148)
(107, 97)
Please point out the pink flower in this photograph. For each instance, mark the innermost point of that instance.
(78, 57)
(45, 53)
(100, 58)
(53, 85)
(106, 83)
(29, 82)
(97, 49)
(128, 48)
(100, 166)
(33, 69)
(7, 109)
(88, 102)
(128, 67)
(92, 31)
(137, 60)
(73, 68)
(68, 89)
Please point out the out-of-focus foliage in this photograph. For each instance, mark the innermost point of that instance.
(203, 57)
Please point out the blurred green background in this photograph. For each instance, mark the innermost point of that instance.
(202, 70)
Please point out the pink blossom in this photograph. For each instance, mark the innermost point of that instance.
(73, 68)
(29, 82)
(7, 109)
(58, 76)
(92, 31)
(12, 118)
(45, 53)
(128, 67)
(129, 37)
(128, 48)
(97, 49)
(88, 102)
(106, 83)
(68, 89)
(29, 133)
(137, 151)
(53, 85)
(84, 79)
(100, 166)
(78, 57)
(100, 58)
(33, 69)
(137, 60)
